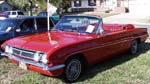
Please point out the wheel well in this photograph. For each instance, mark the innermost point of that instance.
(79, 56)
(138, 40)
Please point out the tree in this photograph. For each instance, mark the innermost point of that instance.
(61, 4)
(25, 5)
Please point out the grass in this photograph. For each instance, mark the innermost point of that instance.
(123, 69)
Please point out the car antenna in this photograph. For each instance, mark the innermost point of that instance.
(48, 21)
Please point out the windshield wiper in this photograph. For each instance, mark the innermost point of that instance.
(60, 29)
(70, 29)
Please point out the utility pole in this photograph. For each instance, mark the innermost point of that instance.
(31, 5)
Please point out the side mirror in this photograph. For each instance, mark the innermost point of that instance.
(18, 30)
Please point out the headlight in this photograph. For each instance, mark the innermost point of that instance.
(37, 57)
(9, 49)
(44, 60)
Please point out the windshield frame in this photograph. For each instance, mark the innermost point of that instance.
(97, 26)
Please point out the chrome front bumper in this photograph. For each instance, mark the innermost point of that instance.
(41, 65)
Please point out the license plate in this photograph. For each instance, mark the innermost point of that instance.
(23, 65)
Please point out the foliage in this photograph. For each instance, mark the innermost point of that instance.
(20, 4)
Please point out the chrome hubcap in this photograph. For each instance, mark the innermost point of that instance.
(73, 70)
(134, 47)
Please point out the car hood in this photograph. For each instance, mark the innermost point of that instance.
(48, 41)
(4, 36)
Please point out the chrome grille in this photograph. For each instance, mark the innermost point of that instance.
(23, 53)
(30, 55)
(17, 52)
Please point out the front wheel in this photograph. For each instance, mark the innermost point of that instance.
(134, 47)
(73, 69)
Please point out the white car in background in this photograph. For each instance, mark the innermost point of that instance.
(14, 14)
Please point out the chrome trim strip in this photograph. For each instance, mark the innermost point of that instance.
(102, 45)
(41, 65)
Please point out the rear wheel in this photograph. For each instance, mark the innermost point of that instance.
(134, 47)
(73, 69)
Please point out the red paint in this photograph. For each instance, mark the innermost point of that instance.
(94, 47)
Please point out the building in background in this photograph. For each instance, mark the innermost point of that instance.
(94, 5)
(4, 6)
(139, 6)
(118, 6)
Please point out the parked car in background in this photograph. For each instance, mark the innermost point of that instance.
(14, 14)
(3, 16)
(74, 43)
(13, 27)
(55, 16)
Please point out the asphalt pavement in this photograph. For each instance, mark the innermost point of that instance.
(128, 18)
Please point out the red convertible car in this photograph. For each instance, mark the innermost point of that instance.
(74, 42)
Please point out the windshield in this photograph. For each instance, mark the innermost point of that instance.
(8, 25)
(80, 24)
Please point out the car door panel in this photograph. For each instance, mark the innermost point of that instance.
(108, 45)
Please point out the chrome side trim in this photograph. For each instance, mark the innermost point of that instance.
(41, 65)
